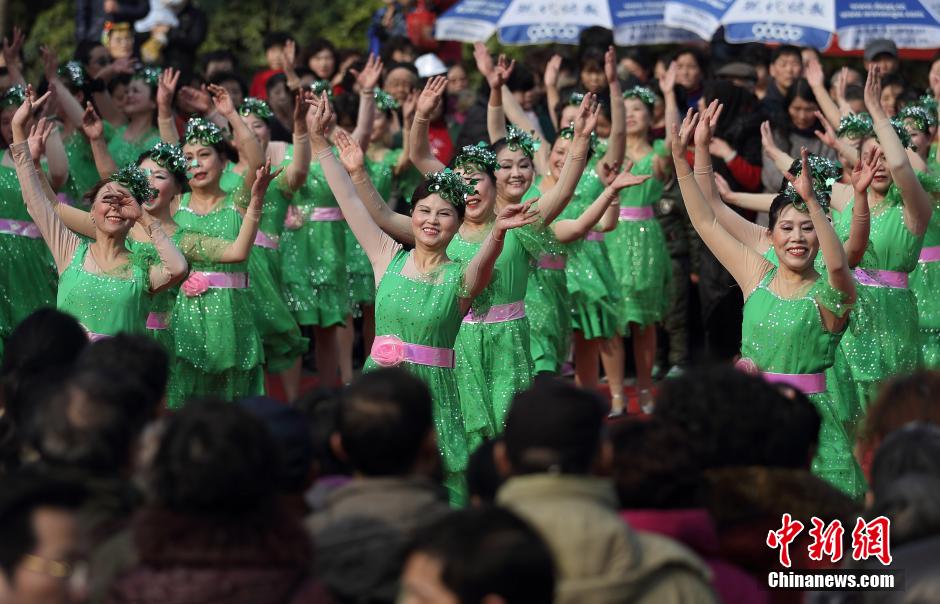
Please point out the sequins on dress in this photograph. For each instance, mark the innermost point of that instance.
(125, 151)
(925, 280)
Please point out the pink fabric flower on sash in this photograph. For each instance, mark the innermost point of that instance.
(195, 285)
(388, 351)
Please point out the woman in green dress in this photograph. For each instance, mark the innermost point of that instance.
(793, 317)
(422, 295)
(101, 283)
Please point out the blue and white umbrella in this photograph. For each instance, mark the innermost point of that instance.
(557, 21)
(910, 23)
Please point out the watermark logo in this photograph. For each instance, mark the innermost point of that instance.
(870, 539)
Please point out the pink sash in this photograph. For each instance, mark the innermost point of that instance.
(19, 228)
(594, 236)
(390, 351)
(157, 321)
(500, 313)
(807, 383)
(326, 215)
(634, 214)
(876, 278)
(263, 240)
(930, 254)
(552, 262)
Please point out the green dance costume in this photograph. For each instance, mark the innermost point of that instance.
(548, 304)
(218, 349)
(427, 313)
(313, 255)
(638, 250)
(883, 338)
(125, 151)
(280, 334)
(493, 357)
(83, 174)
(925, 281)
(27, 273)
(808, 349)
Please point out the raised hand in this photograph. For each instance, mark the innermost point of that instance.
(320, 116)
(516, 215)
(873, 93)
(504, 68)
(11, 49)
(300, 114)
(222, 100)
(626, 179)
(667, 84)
(91, 123)
(804, 182)
(552, 69)
(26, 112)
(682, 135)
(828, 134)
(431, 97)
(610, 65)
(263, 179)
(934, 78)
(706, 125)
(724, 189)
(166, 88)
(409, 107)
(767, 137)
(50, 63)
(38, 135)
(840, 88)
(865, 169)
(483, 60)
(369, 77)
(586, 119)
(195, 100)
(129, 209)
(350, 153)
(814, 73)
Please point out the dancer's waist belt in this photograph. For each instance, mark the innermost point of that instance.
(498, 313)
(391, 351)
(594, 236)
(19, 228)
(552, 262)
(807, 383)
(158, 320)
(263, 240)
(876, 278)
(634, 214)
(930, 254)
(326, 215)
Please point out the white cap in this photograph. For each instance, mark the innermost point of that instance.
(430, 65)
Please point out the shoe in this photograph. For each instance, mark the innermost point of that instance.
(647, 402)
(674, 372)
(617, 408)
(615, 413)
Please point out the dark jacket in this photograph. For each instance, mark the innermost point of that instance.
(362, 532)
(184, 39)
(185, 559)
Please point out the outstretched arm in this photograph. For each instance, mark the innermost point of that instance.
(94, 131)
(395, 224)
(917, 205)
(367, 79)
(745, 265)
(829, 138)
(166, 89)
(480, 270)
(617, 141)
(245, 140)
(299, 166)
(420, 144)
(604, 210)
(552, 96)
(817, 82)
(860, 227)
(554, 201)
(239, 250)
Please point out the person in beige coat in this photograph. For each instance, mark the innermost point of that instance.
(555, 451)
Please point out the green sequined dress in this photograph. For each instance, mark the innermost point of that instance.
(592, 285)
(548, 304)
(218, 348)
(638, 252)
(280, 334)
(105, 305)
(27, 273)
(883, 337)
(313, 258)
(83, 174)
(925, 282)
(493, 359)
(125, 151)
(428, 313)
(787, 335)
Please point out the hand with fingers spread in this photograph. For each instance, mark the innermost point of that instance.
(222, 100)
(91, 123)
(430, 97)
(50, 64)
(804, 182)
(667, 84)
(724, 189)
(319, 121)
(828, 134)
(873, 93)
(12, 49)
(767, 138)
(706, 125)
(552, 69)
(25, 114)
(166, 89)
(484, 60)
(682, 136)
(263, 179)
(350, 153)
(38, 135)
(513, 216)
(195, 100)
(814, 73)
(625, 179)
(865, 169)
(368, 78)
(586, 119)
(300, 114)
(504, 69)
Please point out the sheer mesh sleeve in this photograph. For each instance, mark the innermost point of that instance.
(199, 248)
(241, 194)
(830, 298)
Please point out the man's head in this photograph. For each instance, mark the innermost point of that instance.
(486, 556)
(233, 83)
(884, 53)
(554, 427)
(274, 48)
(38, 538)
(218, 61)
(384, 423)
(786, 66)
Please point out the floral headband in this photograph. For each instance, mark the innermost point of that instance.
(202, 131)
(13, 97)
(519, 140)
(450, 186)
(149, 74)
(73, 73)
(824, 172)
(929, 103)
(642, 93)
(922, 117)
(256, 107)
(576, 98)
(858, 126)
(321, 86)
(479, 156)
(171, 157)
(136, 181)
(384, 101)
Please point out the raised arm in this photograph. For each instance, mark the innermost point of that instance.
(57, 160)
(745, 231)
(395, 224)
(617, 141)
(480, 270)
(239, 249)
(62, 242)
(600, 212)
(667, 85)
(367, 79)
(745, 265)
(172, 267)
(166, 89)
(829, 138)
(860, 227)
(11, 54)
(407, 127)
(299, 166)
(552, 95)
(817, 82)
(554, 200)
(837, 267)
(379, 247)
(93, 129)
(917, 205)
(69, 107)
(245, 140)
(495, 117)
(781, 160)
(420, 144)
